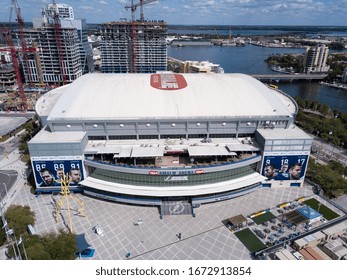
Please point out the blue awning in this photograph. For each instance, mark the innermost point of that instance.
(81, 242)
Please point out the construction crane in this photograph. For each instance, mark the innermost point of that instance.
(57, 27)
(133, 66)
(20, 21)
(7, 34)
(134, 6)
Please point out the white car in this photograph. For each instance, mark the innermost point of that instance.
(98, 230)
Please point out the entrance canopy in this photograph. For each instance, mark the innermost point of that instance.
(81, 242)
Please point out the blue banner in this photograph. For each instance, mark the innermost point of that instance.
(49, 172)
(280, 167)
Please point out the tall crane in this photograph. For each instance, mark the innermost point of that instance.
(7, 34)
(20, 21)
(134, 6)
(57, 27)
(133, 66)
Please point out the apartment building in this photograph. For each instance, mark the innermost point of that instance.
(315, 60)
(57, 61)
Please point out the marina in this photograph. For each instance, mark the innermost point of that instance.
(334, 85)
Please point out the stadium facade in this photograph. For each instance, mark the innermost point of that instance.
(152, 139)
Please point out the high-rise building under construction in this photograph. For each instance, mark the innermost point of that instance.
(62, 50)
(133, 47)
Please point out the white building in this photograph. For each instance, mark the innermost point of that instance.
(63, 10)
(315, 59)
(52, 63)
(344, 76)
(201, 67)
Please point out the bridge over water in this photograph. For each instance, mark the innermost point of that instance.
(289, 77)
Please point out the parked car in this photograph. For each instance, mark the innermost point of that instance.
(275, 227)
(265, 224)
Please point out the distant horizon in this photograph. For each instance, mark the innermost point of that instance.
(199, 12)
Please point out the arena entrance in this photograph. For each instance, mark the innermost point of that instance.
(176, 206)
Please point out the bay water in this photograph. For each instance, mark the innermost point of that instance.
(250, 59)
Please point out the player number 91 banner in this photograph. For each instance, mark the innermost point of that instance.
(48, 173)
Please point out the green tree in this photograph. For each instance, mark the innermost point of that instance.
(2, 234)
(50, 246)
(35, 249)
(60, 246)
(19, 217)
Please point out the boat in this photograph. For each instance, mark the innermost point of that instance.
(284, 70)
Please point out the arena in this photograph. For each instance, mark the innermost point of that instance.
(159, 139)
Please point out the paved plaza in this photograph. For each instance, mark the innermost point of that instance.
(202, 238)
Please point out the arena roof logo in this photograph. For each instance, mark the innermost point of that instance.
(168, 81)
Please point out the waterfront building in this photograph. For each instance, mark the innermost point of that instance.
(158, 139)
(201, 67)
(344, 76)
(315, 59)
(45, 66)
(133, 47)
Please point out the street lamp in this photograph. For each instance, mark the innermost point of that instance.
(6, 190)
(319, 205)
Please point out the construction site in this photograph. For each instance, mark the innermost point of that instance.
(137, 46)
(56, 51)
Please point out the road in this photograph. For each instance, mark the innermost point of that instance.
(7, 180)
(289, 77)
(10, 145)
(326, 152)
(28, 114)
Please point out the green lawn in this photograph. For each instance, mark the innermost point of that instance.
(325, 211)
(263, 218)
(252, 242)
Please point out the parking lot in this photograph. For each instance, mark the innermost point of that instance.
(274, 226)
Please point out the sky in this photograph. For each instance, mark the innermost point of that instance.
(199, 12)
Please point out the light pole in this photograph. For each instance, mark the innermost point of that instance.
(8, 231)
(319, 205)
(6, 190)
(21, 241)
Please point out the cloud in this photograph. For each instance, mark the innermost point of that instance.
(86, 8)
